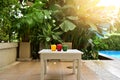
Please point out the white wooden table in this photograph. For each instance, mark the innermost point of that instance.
(72, 54)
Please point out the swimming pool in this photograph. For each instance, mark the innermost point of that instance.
(114, 54)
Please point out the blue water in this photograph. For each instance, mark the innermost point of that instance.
(115, 54)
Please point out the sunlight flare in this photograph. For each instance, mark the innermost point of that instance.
(115, 3)
(112, 7)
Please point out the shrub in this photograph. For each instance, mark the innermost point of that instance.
(111, 43)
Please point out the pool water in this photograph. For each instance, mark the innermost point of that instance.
(115, 54)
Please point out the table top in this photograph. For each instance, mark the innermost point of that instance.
(68, 51)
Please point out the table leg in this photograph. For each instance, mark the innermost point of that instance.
(78, 70)
(74, 61)
(45, 66)
(42, 69)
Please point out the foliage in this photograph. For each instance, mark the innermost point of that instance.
(50, 36)
(89, 18)
(90, 54)
(99, 43)
(39, 26)
(6, 3)
(30, 16)
(110, 43)
(94, 46)
(45, 21)
(6, 9)
(3, 36)
(50, 27)
(63, 20)
(35, 18)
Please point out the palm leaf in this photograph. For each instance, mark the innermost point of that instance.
(67, 26)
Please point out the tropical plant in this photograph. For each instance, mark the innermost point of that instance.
(89, 17)
(28, 19)
(54, 26)
(51, 28)
(50, 35)
(63, 20)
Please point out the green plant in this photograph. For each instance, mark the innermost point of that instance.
(100, 43)
(50, 29)
(90, 54)
(3, 36)
(30, 17)
(52, 26)
(6, 19)
(50, 35)
(87, 22)
(63, 20)
(112, 42)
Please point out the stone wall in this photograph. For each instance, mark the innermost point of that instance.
(8, 53)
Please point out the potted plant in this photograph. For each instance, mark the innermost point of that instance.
(24, 24)
(31, 25)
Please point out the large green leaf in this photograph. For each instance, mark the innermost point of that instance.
(54, 37)
(67, 26)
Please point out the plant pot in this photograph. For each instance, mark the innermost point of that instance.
(24, 51)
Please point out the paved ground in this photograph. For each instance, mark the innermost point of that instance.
(91, 70)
